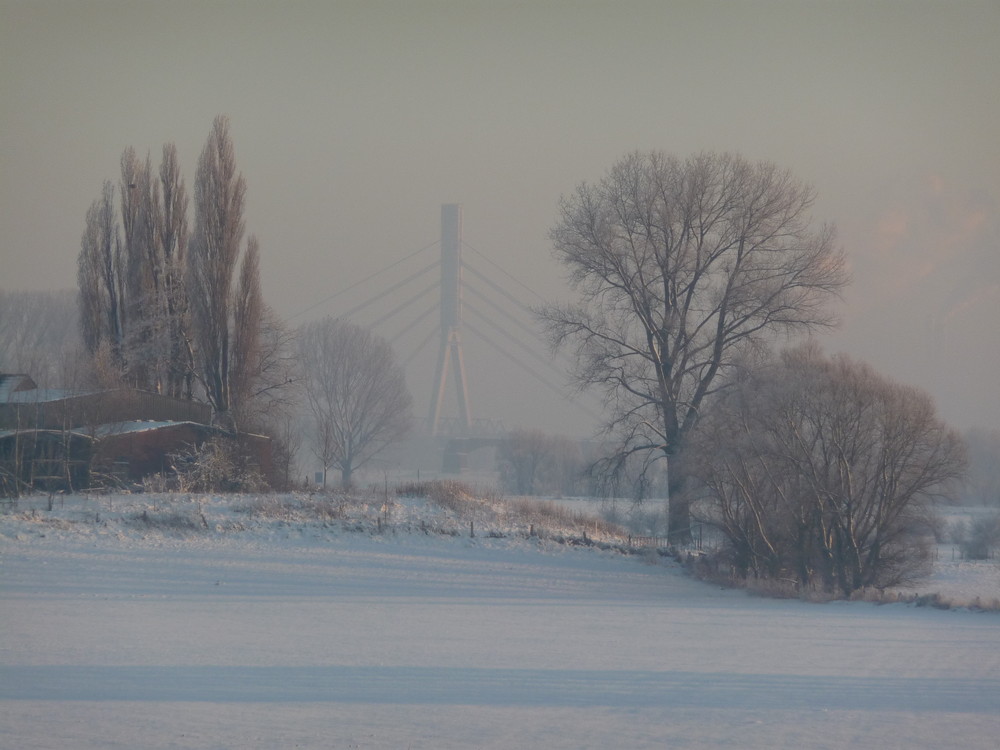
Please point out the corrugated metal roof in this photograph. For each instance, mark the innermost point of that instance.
(13, 383)
(120, 428)
(43, 395)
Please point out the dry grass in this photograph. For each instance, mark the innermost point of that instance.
(518, 515)
(546, 513)
(449, 494)
(712, 570)
(301, 508)
(176, 521)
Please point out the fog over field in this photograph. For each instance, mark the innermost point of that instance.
(355, 121)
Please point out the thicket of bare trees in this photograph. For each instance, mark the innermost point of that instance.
(133, 307)
(182, 313)
(682, 268)
(982, 481)
(179, 312)
(356, 393)
(532, 462)
(39, 336)
(822, 471)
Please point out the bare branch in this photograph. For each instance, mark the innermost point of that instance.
(683, 268)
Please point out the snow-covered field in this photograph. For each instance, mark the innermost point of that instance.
(157, 622)
(953, 580)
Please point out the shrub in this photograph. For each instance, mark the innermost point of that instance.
(823, 471)
(173, 520)
(978, 540)
(218, 465)
(311, 507)
(448, 493)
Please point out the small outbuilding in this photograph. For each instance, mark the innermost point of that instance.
(69, 440)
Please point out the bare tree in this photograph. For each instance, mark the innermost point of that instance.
(522, 455)
(160, 350)
(532, 462)
(172, 240)
(682, 268)
(264, 375)
(101, 279)
(145, 356)
(356, 393)
(823, 471)
(39, 335)
(219, 193)
(248, 309)
(286, 439)
(982, 483)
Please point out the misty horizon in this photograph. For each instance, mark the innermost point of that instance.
(353, 123)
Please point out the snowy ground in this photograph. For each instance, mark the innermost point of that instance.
(953, 580)
(208, 623)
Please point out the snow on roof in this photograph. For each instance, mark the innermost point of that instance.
(42, 395)
(109, 430)
(45, 431)
(120, 428)
(11, 383)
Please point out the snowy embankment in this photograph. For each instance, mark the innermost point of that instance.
(267, 622)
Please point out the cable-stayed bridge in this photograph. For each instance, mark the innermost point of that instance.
(463, 327)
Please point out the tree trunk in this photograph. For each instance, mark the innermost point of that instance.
(678, 509)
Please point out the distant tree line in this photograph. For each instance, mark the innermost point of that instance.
(532, 462)
(40, 336)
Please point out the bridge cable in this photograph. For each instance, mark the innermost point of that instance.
(413, 323)
(504, 271)
(535, 336)
(499, 289)
(403, 305)
(420, 347)
(531, 371)
(534, 353)
(365, 279)
(519, 323)
(390, 290)
(497, 327)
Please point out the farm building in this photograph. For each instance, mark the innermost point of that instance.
(68, 440)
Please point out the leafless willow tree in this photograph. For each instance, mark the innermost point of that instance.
(356, 392)
(682, 267)
(822, 471)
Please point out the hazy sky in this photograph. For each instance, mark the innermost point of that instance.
(354, 121)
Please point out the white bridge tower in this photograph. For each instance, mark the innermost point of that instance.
(450, 356)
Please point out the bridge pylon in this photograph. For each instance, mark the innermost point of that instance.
(450, 355)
